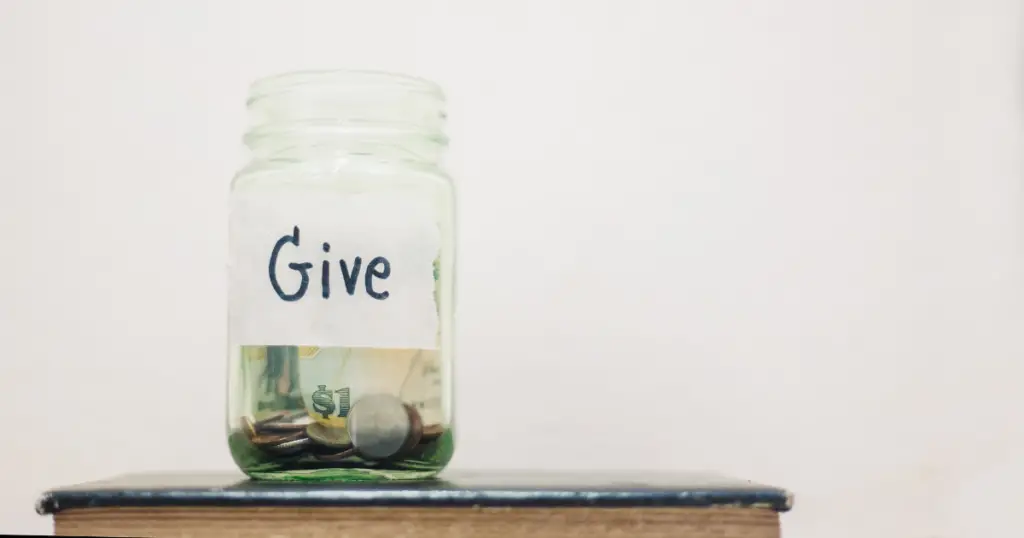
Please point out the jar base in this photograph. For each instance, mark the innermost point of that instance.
(342, 475)
(258, 464)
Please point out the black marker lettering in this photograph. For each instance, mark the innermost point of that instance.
(351, 278)
(325, 275)
(372, 271)
(302, 268)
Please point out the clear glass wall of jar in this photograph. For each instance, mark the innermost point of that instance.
(341, 281)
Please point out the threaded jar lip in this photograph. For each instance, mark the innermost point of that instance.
(342, 80)
(314, 130)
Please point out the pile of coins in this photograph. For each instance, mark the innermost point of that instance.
(379, 427)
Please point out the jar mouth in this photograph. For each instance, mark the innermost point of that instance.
(342, 80)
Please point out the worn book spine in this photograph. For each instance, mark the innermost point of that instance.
(419, 522)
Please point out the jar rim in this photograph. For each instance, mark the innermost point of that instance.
(347, 79)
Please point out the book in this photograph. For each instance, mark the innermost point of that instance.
(458, 504)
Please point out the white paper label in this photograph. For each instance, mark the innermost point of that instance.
(332, 269)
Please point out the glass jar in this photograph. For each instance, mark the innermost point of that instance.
(341, 278)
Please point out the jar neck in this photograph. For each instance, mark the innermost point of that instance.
(311, 144)
(346, 115)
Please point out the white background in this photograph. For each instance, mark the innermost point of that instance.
(778, 239)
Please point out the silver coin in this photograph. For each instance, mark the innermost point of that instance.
(270, 418)
(286, 424)
(379, 426)
(288, 447)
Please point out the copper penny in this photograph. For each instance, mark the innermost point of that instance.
(431, 432)
(266, 440)
(336, 456)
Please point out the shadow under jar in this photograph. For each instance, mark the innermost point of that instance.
(341, 268)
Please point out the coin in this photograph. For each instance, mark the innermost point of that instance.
(288, 447)
(266, 440)
(248, 427)
(379, 425)
(431, 432)
(329, 436)
(277, 415)
(415, 429)
(336, 456)
(286, 424)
